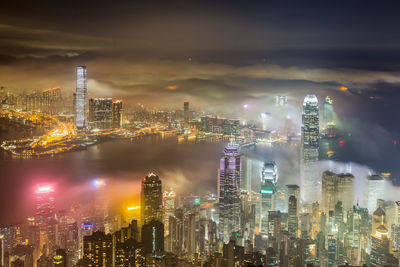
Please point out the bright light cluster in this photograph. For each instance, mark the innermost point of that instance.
(44, 189)
(133, 208)
(99, 183)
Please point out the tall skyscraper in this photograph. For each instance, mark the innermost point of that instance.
(293, 220)
(332, 250)
(229, 191)
(373, 190)
(274, 224)
(51, 101)
(169, 208)
(251, 169)
(309, 147)
(101, 113)
(117, 114)
(191, 233)
(100, 204)
(151, 199)
(1, 250)
(380, 247)
(45, 216)
(186, 111)
(328, 113)
(335, 188)
(268, 189)
(81, 98)
(293, 190)
(153, 237)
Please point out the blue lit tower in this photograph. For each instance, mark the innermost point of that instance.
(268, 189)
(309, 146)
(81, 98)
(229, 191)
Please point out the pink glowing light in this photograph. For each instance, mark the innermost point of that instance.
(44, 189)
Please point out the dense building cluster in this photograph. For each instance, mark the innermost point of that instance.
(254, 219)
(48, 101)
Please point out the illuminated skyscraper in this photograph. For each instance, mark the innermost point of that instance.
(378, 218)
(332, 250)
(293, 190)
(250, 170)
(101, 113)
(270, 172)
(265, 117)
(81, 98)
(100, 205)
(328, 113)
(380, 247)
(309, 146)
(268, 188)
(373, 190)
(50, 100)
(153, 237)
(117, 114)
(186, 111)
(169, 208)
(229, 191)
(1, 250)
(98, 249)
(293, 220)
(151, 199)
(335, 188)
(191, 233)
(45, 215)
(274, 224)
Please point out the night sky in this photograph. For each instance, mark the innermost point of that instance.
(210, 52)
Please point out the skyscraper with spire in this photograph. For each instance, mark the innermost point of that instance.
(309, 147)
(229, 191)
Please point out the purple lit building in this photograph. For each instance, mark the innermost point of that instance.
(229, 191)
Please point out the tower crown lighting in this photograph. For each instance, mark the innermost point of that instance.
(44, 189)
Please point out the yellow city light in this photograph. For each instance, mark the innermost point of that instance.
(133, 208)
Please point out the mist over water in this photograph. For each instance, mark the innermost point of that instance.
(368, 135)
(191, 168)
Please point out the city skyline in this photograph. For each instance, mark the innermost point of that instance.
(199, 134)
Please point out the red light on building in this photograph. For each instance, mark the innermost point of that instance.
(394, 142)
